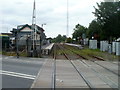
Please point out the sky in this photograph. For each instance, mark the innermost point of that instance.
(51, 12)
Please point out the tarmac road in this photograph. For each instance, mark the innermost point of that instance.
(19, 72)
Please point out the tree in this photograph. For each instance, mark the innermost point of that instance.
(108, 16)
(64, 38)
(79, 30)
(94, 30)
(59, 38)
(69, 40)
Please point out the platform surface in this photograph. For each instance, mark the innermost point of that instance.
(47, 47)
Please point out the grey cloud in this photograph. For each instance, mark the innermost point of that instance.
(52, 12)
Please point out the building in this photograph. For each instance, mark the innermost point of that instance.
(26, 39)
(5, 41)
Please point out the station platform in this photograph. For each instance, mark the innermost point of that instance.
(46, 49)
(75, 45)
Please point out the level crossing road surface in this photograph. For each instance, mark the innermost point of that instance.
(77, 74)
(19, 72)
(49, 73)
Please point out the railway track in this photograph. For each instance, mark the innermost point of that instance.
(102, 77)
(91, 86)
(80, 73)
(93, 60)
(54, 69)
(75, 74)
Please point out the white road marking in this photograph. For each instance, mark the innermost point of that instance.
(17, 74)
(6, 57)
(10, 56)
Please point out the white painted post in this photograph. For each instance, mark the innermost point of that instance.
(114, 47)
(109, 48)
(93, 44)
(105, 45)
(117, 48)
(86, 41)
(101, 45)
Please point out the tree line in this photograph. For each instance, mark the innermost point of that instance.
(105, 26)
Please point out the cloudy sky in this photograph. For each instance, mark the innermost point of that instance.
(51, 12)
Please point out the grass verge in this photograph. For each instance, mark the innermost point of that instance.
(86, 52)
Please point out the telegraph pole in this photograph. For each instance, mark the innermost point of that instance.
(67, 32)
(33, 34)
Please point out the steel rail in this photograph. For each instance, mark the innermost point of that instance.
(99, 74)
(77, 54)
(78, 71)
(97, 63)
(104, 66)
(54, 70)
(107, 69)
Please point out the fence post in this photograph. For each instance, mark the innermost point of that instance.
(117, 48)
(109, 48)
(114, 47)
(93, 44)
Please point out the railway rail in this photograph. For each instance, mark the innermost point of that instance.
(93, 60)
(82, 75)
(75, 74)
(54, 69)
